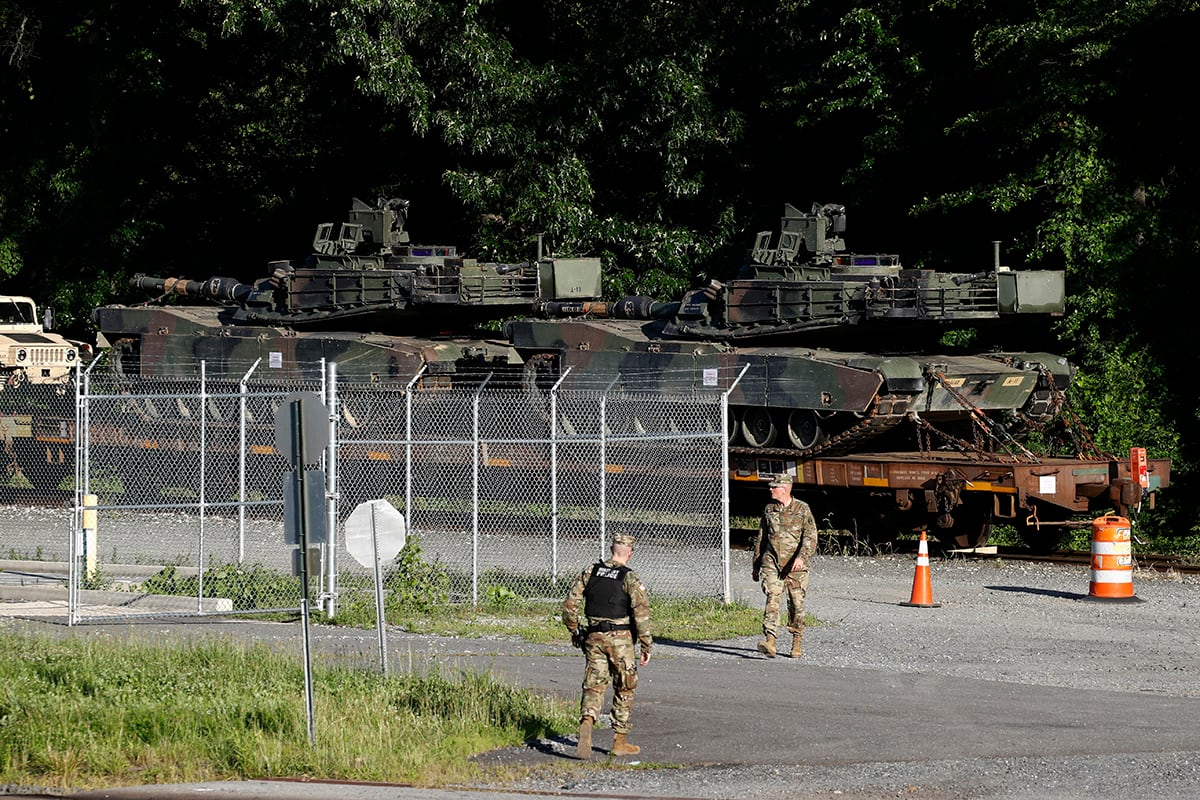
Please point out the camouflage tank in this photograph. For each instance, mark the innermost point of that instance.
(823, 349)
(366, 298)
(836, 348)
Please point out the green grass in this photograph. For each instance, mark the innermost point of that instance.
(96, 713)
(541, 621)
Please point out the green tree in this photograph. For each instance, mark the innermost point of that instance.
(140, 138)
(1087, 157)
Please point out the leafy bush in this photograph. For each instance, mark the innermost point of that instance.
(412, 583)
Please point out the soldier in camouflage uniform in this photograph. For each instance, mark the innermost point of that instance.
(787, 539)
(616, 611)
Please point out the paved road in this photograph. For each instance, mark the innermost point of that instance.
(1016, 687)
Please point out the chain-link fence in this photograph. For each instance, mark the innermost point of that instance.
(175, 490)
(514, 492)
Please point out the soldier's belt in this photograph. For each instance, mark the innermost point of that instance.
(605, 627)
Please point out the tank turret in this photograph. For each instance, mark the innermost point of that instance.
(365, 274)
(807, 283)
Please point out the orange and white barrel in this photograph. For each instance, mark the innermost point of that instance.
(1112, 558)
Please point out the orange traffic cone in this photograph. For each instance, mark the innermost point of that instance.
(922, 591)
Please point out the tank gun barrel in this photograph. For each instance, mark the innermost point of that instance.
(959, 280)
(641, 308)
(220, 289)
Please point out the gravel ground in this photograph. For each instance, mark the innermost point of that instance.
(1029, 625)
(1003, 630)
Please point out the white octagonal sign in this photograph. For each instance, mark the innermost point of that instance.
(375, 521)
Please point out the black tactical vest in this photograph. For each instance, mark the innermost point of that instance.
(604, 595)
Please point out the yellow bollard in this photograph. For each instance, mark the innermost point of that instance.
(90, 517)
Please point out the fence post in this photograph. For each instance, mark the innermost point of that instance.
(725, 500)
(408, 454)
(203, 482)
(82, 485)
(554, 474)
(475, 456)
(242, 460)
(331, 489)
(604, 464)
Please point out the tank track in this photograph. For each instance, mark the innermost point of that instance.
(885, 413)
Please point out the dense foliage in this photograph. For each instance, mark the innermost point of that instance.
(205, 138)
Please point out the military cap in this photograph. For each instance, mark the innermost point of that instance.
(623, 538)
(782, 480)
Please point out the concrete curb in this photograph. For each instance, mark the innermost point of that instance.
(62, 568)
(129, 601)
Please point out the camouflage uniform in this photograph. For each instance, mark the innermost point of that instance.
(610, 655)
(785, 530)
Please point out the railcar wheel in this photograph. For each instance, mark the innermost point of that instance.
(566, 423)
(655, 422)
(804, 429)
(868, 528)
(972, 526)
(758, 427)
(1039, 533)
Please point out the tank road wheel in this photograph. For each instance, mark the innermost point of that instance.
(734, 423)
(804, 429)
(151, 408)
(758, 428)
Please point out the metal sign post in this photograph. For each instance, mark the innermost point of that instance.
(375, 533)
(300, 433)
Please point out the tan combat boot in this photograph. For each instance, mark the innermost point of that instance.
(622, 747)
(585, 738)
(796, 637)
(767, 646)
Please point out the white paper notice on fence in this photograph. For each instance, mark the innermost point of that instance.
(710, 377)
(1047, 484)
(275, 360)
